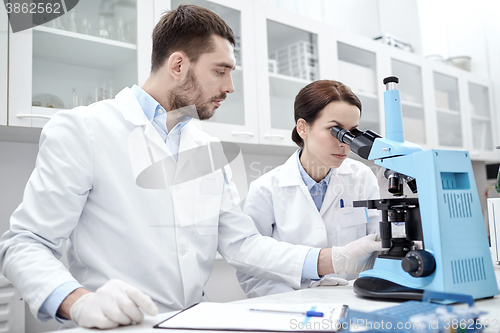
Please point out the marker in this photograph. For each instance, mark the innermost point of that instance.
(341, 203)
(307, 313)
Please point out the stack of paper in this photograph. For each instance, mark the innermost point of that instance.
(240, 317)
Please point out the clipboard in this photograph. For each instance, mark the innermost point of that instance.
(210, 316)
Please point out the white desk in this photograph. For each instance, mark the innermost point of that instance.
(319, 295)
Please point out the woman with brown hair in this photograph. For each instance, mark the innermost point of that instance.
(308, 200)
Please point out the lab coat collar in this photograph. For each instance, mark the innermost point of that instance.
(192, 137)
(308, 179)
(290, 176)
(290, 173)
(155, 148)
(130, 107)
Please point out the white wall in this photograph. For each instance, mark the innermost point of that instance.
(371, 18)
(460, 27)
(456, 28)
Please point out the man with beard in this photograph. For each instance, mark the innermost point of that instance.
(120, 181)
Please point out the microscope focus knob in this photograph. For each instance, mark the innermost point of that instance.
(419, 263)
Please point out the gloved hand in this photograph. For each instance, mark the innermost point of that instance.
(116, 303)
(329, 280)
(357, 256)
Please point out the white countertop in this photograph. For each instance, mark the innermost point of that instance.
(342, 294)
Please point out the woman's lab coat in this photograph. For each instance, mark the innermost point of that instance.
(282, 207)
(100, 181)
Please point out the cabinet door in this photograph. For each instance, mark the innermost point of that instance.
(358, 67)
(288, 58)
(236, 119)
(481, 134)
(86, 55)
(450, 118)
(4, 49)
(409, 72)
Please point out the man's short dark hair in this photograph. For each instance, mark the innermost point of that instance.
(189, 29)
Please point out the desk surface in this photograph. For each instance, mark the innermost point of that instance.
(338, 294)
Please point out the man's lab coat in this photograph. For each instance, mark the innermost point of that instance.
(103, 180)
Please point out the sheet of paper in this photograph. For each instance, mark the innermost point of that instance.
(239, 317)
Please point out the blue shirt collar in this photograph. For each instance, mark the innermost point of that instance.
(147, 103)
(150, 108)
(305, 176)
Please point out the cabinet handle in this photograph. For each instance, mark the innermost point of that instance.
(243, 134)
(274, 136)
(42, 116)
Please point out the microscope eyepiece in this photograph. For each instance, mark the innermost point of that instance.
(342, 134)
(359, 142)
(391, 79)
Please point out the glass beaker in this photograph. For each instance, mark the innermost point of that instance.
(122, 33)
(103, 30)
(71, 24)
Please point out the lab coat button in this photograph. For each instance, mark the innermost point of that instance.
(182, 252)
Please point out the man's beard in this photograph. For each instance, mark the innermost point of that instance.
(191, 94)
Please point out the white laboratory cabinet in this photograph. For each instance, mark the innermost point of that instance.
(62, 65)
(359, 65)
(236, 119)
(12, 308)
(86, 55)
(417, 115)
(292, 51)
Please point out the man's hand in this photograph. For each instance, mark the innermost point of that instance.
(116, 303)
(356, 256)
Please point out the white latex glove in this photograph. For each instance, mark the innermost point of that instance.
(116, 303)
(329, 280)
(357, 256)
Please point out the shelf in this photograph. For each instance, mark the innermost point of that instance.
(360, 79)
(413, 104)
(450, 112)
(365, 94)
(355, 55)
(81, 50)
(44, 110)
(483, 118)
(289, 78)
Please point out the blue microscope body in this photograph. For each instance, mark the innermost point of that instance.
(456, 257)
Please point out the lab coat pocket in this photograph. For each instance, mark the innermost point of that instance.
(352, 223)
(208, 199)
(210, 185)
(352, 216)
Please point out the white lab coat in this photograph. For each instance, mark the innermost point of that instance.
(282, 207)
(90, 186)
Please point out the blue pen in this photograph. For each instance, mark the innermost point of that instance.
(341, 203)
(307, 313)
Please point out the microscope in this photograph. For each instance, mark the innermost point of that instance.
(446, 217)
